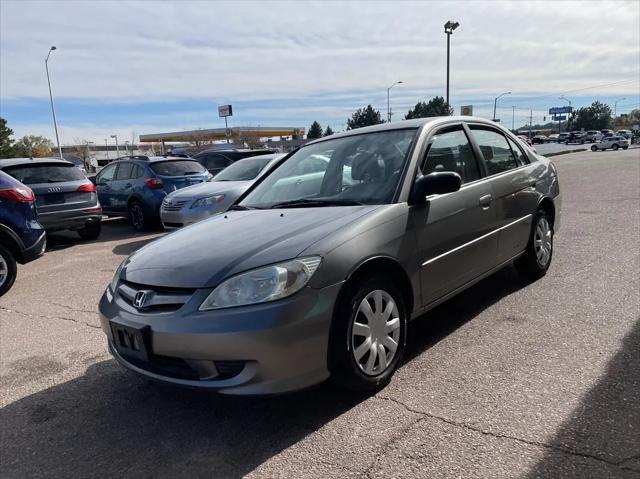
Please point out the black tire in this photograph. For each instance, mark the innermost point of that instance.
(615, 147)
(625, 147)
(345, 369)
(8, 270)
(594, 148)
(530, 265)
(91, 231)
(137, 218)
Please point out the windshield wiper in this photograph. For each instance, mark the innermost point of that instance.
(240, 208)
(302, 203)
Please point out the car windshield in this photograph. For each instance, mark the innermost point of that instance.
(359, 169)
(177, 168)
(32, 174)
(243, 170)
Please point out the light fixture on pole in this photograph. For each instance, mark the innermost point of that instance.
(53, 109)
(449, 27)
(495, 103)
(388, 106)
(615, 107)
(117, 147)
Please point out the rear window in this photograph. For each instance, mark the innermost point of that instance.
(243, 170)
(177, 168)
(48, 173)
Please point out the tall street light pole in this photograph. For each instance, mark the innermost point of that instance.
(117, 148)
(106, 146)
(53, 109)
(513, 119)
(495, 103)
(615, 108)
(449, 27)
(388, 105)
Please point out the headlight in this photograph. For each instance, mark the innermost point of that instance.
(263, 284)
(208, 201)
(116, 277)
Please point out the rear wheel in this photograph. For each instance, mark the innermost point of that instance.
(615, 147)
(91, 231)
(594, 148)
(535, 261)
(8, 270)
(137, 217)
(369, 335)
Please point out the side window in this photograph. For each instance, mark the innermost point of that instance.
(495, 150)
(138, 172)
(450, 150)
(106, 174)
(124, 172)
(216, 162)
(517, 151)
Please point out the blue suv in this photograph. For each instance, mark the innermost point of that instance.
(134, 186)
(22, 238)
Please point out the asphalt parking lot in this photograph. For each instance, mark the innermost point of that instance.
(506, 380)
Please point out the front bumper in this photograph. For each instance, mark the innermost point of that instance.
(281, 346)
(185, 216)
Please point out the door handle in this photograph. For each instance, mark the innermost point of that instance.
(128, 185)
(485, 201)
(533, 183)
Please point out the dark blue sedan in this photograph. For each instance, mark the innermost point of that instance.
(22, 238)
(135, 186)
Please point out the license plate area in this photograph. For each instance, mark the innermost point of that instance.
(131, 342)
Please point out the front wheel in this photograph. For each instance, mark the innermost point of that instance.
(615, 147)
(594, 148)
(368, 335)
(8, 270)
(535, 261)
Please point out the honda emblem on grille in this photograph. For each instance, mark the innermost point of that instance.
(140, 299)
(54, 189)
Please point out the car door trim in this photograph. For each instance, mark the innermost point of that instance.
(473, 241)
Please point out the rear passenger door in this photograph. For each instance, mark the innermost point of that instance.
(104, 180)
(512, 180)
(121, 187)
(453, 242)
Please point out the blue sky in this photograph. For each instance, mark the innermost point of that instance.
(146, 67)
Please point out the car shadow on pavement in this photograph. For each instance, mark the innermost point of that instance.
(431, 327)
(110, 422)
(602, 438)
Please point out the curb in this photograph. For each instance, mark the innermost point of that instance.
(565, 152)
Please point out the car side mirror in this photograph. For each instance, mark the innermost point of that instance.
(436, 183)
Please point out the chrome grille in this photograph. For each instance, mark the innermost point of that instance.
(173, 205)
(152, 299)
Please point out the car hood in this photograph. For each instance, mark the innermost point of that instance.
(204, 254)
(206, 189)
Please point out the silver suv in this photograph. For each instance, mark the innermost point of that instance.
(613, 142)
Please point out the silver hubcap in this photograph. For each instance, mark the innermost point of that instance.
(4, 270)
(375, 333)
(542, 242)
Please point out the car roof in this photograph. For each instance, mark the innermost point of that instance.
(402, 125)
(235, 150)
(150, 159)
(32, 161)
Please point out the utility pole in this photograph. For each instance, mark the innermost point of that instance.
(117, 147)
(449, 27)
(388, 107)
(53, 108)
(530, 122)
(615, 108)
(106, 145)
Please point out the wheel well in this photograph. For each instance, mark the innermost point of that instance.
(389, 267)
(10, 244)
(547, 205)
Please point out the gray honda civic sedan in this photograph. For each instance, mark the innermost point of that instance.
(311, 276)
